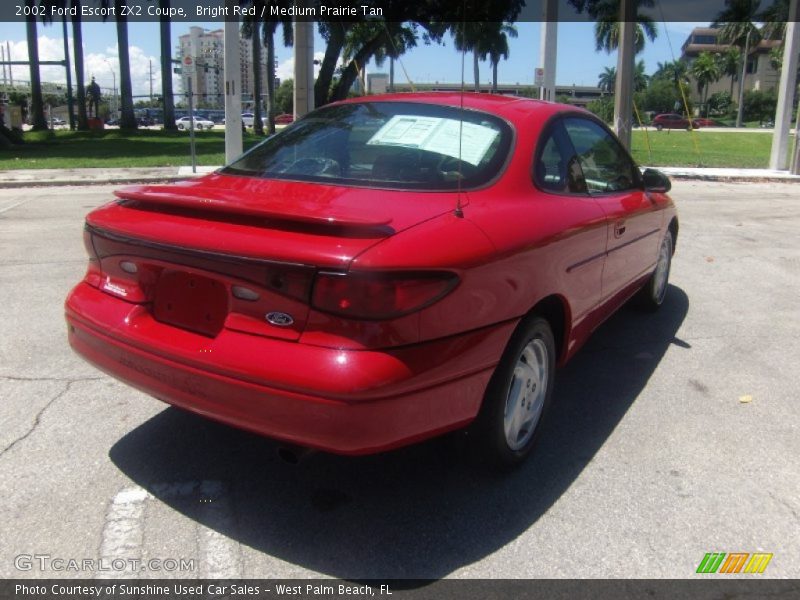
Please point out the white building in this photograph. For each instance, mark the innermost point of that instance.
(207, 49)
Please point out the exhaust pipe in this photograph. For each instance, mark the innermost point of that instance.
(294, 454)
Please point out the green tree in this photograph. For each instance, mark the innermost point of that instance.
(284, 97)
(759, 105)
(720, 103)
(77, 55)
(640, 78)
(737, 27)
(706, 70)
(730, 64)
(167, 98)
(606, 33)
(603, 108)
(251, 29)
(127, 118)
(607, 80)
(37, 102)
(470, 36)
(496, 46)
(660, 96)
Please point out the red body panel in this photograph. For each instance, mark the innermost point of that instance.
(215, 255)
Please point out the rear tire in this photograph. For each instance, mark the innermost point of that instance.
(517, 398)
(659, 127)
(651, 296)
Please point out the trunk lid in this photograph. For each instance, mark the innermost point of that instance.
(241, 253)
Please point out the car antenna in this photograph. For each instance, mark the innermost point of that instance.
(459, 211)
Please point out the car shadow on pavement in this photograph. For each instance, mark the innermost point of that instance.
(419, 512)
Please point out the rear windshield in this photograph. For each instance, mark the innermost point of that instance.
(398, 145)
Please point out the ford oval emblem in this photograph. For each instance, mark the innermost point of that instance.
(280, 319)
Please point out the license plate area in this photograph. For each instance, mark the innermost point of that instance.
(189, 301)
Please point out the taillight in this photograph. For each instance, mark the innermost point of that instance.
(94, 275)
(378, 296)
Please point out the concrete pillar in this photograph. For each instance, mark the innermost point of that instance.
(786, 89)
(233, 86)
(548, 50)
(303, 68)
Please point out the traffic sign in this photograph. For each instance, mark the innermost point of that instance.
(538, 76)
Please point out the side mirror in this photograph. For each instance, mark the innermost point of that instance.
(656, 181)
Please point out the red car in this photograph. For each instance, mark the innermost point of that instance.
(369, 278)
(284, 119)
(670, 121)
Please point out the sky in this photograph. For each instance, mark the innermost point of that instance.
(578, 62)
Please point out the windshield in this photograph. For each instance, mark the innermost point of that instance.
(398, 145)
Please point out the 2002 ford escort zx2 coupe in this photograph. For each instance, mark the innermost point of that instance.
(382, 271)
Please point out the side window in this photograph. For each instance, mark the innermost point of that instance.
(605, 165)
(556, 168)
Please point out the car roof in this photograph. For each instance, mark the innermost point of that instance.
(512, 108)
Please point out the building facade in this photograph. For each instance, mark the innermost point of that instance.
(761, 75)
(207, 51)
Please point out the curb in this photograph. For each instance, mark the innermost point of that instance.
(86, 182)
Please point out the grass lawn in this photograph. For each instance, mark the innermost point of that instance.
(115, 148)
(678, 148)
(155, 148)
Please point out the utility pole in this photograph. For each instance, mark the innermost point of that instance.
(10, 68)
(3, 59)
(786, 89)
(623, 93)
(151, 80)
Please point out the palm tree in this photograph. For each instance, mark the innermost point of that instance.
(496, 46)
(167, 99)
(737, 27)
(706, 70)
(37, 102)
(607, 80)
(251, 28)
(640, 78)
(677, 72)
(606, 33)
(730, 61)
(269, 29)
(471, 36)
(127, 120)
(77, 51)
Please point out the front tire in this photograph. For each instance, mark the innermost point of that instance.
(518, 396)
(652, 294)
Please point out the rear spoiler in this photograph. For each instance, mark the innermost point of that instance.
(220, 201)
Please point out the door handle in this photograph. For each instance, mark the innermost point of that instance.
(619, 228)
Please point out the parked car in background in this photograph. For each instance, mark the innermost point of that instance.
(248, 119)
(670, 121)
(57, 122)
(284, 119)
(361, 281)
(706, 122)
(199, 123)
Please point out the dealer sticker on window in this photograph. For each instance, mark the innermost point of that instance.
(438, 135)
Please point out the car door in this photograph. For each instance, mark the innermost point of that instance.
(613, 181)
(580, 253)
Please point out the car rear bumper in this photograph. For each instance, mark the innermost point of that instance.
(342, 401)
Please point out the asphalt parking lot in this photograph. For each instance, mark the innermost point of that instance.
(673, 435)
